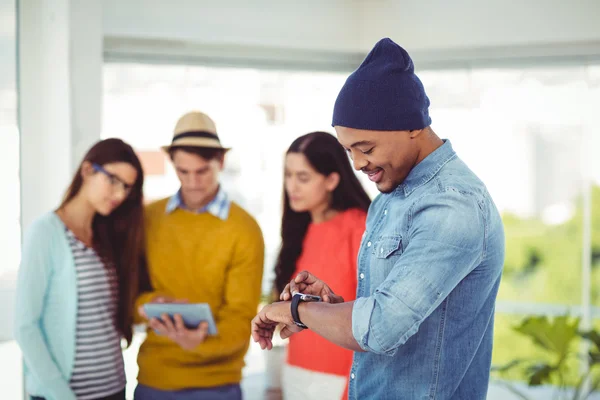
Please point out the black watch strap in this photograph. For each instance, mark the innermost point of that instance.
(296, 299)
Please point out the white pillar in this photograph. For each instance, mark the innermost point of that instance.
(60, 89)
(60, 97)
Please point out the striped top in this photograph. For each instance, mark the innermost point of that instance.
(98, 370)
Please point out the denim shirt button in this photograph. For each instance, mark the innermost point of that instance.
(362, 276)
(352, 376)
(368, 244)
(385, 212)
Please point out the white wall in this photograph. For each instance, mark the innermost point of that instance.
(436, 31)
(472, 24)
(308, 25)
(60, 77)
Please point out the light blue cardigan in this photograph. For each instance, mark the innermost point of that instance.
(46, 309)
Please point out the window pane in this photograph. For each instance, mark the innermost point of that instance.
(523, 132)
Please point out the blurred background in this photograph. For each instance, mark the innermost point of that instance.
(514, 85)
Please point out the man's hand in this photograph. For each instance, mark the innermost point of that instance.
(187, 339)
(159, 299)
(307, 283)
(264, 324)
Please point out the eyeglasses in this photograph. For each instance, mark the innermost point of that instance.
(114, 180)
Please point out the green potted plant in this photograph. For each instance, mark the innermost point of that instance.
(559, 340)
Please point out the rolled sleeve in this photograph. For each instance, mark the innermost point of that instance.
(384, 321)
(361, 317)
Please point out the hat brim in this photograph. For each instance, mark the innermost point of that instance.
(205, 143)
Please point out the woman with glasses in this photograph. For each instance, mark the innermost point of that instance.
(78, 280)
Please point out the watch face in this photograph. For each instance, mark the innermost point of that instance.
(310, 297)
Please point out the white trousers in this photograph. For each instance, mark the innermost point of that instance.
(303, 384)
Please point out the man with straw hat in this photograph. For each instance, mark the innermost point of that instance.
(201, 248)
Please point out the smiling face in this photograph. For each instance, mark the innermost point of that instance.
(387, 157)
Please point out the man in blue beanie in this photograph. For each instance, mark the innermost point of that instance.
(430, 260)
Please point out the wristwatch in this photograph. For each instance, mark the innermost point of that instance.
(296, 299)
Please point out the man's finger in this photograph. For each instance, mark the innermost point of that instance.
(286, 332)
(335, 299)
(162, 299)
(261, 335)
(293, 288)
(254, 330)
(258, 329)
(285, 294)
(302, 275)
(296, 287)
(142, 312)
(179, 325)
(202, 330)
(306, 277)
(158, 326)
(166, 319)
(299, 288)
(265, 343)
(264, 333)
(259, 323)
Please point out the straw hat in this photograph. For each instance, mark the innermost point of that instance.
(195, 129)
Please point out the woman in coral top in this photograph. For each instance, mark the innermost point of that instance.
(325, 209)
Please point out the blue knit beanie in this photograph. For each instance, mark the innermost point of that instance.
(383, 94)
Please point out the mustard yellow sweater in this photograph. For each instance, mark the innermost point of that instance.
(203, 259)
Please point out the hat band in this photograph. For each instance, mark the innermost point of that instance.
(196, 134)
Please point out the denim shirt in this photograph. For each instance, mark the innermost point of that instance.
(429, 268)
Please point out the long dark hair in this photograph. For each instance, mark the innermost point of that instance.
(119, 237)
(325, 155)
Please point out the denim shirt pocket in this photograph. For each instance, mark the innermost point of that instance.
(386, 251)
(388, 246)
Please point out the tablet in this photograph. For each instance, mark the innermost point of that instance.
(192, 314)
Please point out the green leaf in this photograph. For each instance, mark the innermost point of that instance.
(594, 357)
(506, 367)
(539, 373)
(554, 335)
(593, 337)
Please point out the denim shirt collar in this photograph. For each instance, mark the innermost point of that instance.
(424, 171)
